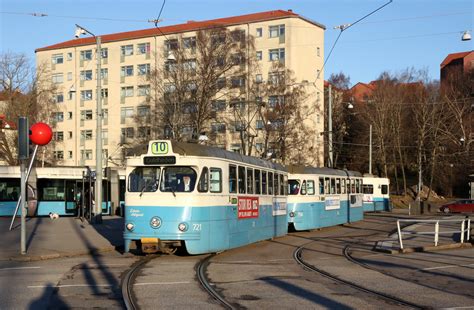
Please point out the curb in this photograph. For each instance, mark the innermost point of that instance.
(33, 258)
(430, 248)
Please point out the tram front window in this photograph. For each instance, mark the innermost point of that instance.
(293, 187)
(178, 179)
(144, 179)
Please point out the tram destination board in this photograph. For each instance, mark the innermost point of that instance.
(159, 160)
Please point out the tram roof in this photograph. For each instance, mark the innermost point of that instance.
(298, 169)
(194, 149)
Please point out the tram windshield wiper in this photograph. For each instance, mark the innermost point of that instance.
(143, 188)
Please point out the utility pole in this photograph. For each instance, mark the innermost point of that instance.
(370, 149)
(330, 151)
(98, 151)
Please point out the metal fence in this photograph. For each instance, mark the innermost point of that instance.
(464, 229)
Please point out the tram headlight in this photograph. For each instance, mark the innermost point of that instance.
(292, 214)
(183, 227)
(155, 222)
(130, 226)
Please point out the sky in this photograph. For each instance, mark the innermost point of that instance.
(403, 34)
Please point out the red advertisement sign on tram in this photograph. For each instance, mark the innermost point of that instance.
(248, 207)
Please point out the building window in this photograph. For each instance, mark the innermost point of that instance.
(237, 81)
(126, 91)
(276, 101)
(104, 73)
(143, 111)
(57, 78)
(69, 134)
(258, 32)
(143, 69)
(57, 59)
(86, 94)
(171, 45)
(143, 48)
(86, 154)
(259, 55)
(104, 53)
(58, 155)
(276, 54)
(86, 115)
(126, 112)
(259, 147)
(59, 98)
(69, 154)
(86, 55)
(126, 50)
(143, 132)
(69, 56)
(189, 42)
(58, 117)
(86, 135)
(235, 147)
(277, 31)
(104, 92)
(58, 136)
(276, 78)
(258, 78)
(217, 127)
(259, 125)
(128, 132)
(69, 115)
(218, 105)
(86, 75)
(69, 76)
(126, 71)
(221, 82)
(143, 90)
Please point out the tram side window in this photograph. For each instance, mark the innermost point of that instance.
(321, 186)
(327, 182)
(51, 190)
(215, 180)
(270, 183)
(384, 189)
(303, 188)
(282, 185)
(368, 189)
(310, 187)
(241, 180)
(144, 179)
(203, 184)
(249, 181)
(232, 179)
(257, 182)
(285, 185)
(293, 187)
(9, 189)
(333, 186)
(178, 179)
(338, 186)
(264, 182)
(275, 184)
(358, 186)
(353, 186)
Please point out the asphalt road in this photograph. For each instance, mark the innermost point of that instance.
(259, 276)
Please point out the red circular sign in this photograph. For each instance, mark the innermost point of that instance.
(41, 133)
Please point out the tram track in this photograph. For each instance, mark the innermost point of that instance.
(297, 256)
(201, 275)
(129, 280)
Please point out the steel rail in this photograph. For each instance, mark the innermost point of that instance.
(201, 274)
(128, 281)
(300, 261)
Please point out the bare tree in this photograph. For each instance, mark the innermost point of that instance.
(28, 92)
(198, 73)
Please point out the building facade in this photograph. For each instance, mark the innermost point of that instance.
(128, 57)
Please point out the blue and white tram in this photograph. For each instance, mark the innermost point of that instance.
(323, 197)
(202, 198)
(376, 194)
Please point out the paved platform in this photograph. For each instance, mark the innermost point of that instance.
(62, 237)
(419, 237)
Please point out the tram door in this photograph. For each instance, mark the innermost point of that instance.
(71, 206)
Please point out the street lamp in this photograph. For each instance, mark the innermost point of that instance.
(98, 160)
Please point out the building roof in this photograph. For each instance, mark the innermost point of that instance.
(189, 26)
(454, 56)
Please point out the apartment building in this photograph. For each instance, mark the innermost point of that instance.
(127, 57)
